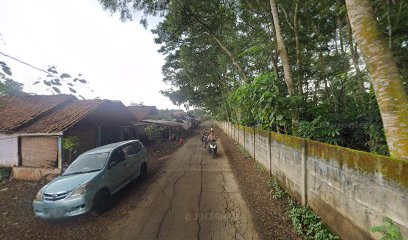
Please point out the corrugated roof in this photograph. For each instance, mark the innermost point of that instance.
(141, 112)
(64, 117)
(164, 123)
(20, 110)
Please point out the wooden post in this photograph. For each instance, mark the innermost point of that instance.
(59, 152)
(98, 136)
(121, 133)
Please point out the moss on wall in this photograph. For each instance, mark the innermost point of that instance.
(249, 131)
(391, 168)
(287, 140)
(262, 133)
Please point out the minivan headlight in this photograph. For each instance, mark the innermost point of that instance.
(39, 196)
(81, 190)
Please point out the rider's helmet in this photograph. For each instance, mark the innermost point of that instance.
(212, 130)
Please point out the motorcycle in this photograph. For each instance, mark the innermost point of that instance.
(212, 148)
(204, 140)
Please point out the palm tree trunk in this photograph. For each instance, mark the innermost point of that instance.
(382, 68)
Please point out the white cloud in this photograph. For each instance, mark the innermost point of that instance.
(78, 36)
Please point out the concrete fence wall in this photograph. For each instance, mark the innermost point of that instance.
(351, 190)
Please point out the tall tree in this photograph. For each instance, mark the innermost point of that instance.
(391, 96)
(283, 53)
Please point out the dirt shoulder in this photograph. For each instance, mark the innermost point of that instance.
(269, 214)
(17, 219)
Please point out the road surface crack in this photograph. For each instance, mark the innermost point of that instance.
(170, 205)
(230, 210)
(199, 199)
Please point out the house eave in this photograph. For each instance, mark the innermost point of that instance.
(39, 134)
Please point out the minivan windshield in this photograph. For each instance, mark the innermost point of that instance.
(87, 163)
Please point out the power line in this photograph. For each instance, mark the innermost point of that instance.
(27, 64)
(42, 70)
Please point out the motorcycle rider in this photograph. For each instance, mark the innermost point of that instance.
(212, 143)
(212, 137)
(204, 136)
(205, 133)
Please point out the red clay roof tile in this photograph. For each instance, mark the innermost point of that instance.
(19, 110)
(64, 117)
(142, 112)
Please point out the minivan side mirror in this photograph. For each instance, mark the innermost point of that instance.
(112, 164)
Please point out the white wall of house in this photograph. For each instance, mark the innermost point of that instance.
(8, 150)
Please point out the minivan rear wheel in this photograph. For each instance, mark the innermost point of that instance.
(101, 202)
(143, 171)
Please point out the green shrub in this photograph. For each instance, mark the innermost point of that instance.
(260, 167)
(4, 173)
(154, 133)
(307, 223)
(277, 191)
(319, 130)
(389, 230)
(70, 144)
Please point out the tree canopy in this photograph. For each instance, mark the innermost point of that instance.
(223, 56)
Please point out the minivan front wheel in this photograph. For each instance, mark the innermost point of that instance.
(101, 202)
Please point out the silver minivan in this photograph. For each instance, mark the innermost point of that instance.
(91, 180)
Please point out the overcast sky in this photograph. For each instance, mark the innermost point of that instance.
(120, 60)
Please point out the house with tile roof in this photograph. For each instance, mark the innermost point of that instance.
(32, 128)
(142, 112)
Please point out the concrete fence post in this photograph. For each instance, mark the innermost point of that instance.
(233, 132)
(304, 173)
(238, 133)
(227, 129)
(254, 134)
(243, 129)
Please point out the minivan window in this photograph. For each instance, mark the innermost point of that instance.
(131, 149)
(138, 146)
(117, 156)
(87, 163)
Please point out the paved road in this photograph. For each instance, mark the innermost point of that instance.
(193, 197)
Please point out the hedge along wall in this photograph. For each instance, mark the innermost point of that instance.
(351, 190)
